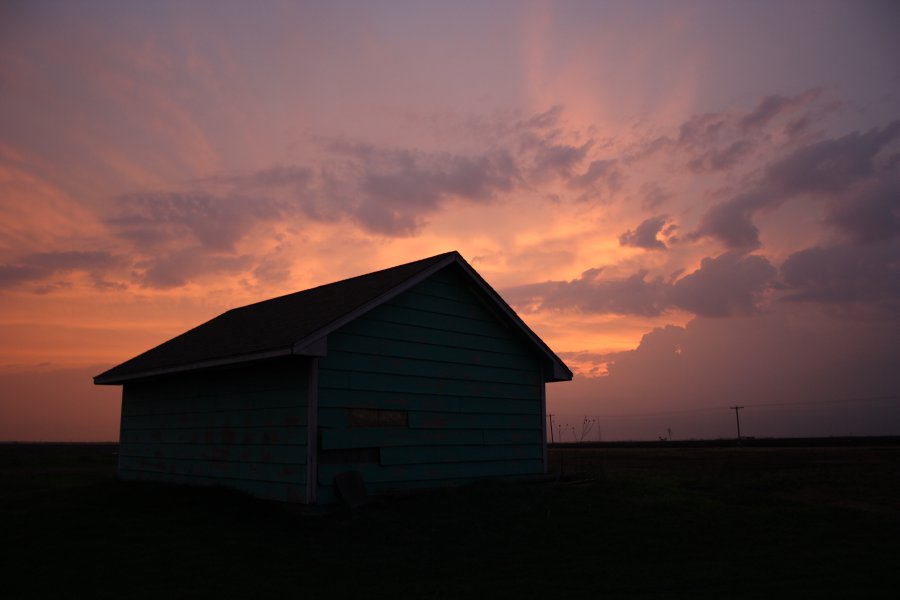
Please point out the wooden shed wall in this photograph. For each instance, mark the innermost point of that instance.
(240, 427)
(429, 389)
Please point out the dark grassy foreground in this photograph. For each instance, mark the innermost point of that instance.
(623, 522)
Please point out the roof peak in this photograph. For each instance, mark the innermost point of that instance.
(351, 278)
(293, 323)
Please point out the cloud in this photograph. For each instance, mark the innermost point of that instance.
(687, 377)
(727, 285)
(725, 140)
(397, 194)
(560, 160)
(829, 166)
(872, 214)
(718, 159)
(731, 222)
(281, 176)
(845, 274)
(178, 235)
(179, 268)
(149, 220)
(42, 265)
(632, 295)
(653, 195)
(12, 275)
(703, 130)
(386, 190)
(545, 120)
(776, 105)
(850, 165)
(645, 234)
(598, 171)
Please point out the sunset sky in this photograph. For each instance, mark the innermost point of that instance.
(695, 204)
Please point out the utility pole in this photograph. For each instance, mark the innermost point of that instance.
(551, 429)
(737, 417)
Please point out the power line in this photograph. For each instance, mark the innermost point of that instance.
(759, 405)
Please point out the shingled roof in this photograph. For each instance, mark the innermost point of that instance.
(291, 324)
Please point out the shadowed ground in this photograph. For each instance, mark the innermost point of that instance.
(622, 522)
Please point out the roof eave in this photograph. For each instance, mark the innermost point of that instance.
(104, 379)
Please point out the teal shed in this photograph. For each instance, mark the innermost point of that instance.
(415, 376)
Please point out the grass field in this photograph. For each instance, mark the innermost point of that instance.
(620, 523)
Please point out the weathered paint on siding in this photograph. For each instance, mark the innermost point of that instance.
(241, 427)
(471, 388)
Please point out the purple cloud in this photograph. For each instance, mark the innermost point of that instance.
(598, 171)
(178, 268)
(282, 176)
(645, 234)
(729, 284)
(152, 219)
(718, 159)
(42, 265)
(634, 295)
(829, 166)
(771, 107)
(846, 165)
(867, 273)
(870, 215)
(557, 159)
(732, 222)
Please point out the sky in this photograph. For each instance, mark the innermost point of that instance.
(695, 204)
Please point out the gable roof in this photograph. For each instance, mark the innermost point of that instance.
(292, 324)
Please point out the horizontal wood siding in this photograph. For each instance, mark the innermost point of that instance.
(470, 387)
(243, 427)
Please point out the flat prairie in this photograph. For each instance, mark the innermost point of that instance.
(612, 522)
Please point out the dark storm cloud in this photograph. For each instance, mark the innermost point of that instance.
(151, 219)
(867, 273)
(42, 265)
(727, 285)
(645, 234)
(850, 165)
(732, 222)
(794, 355)
(870, 215)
